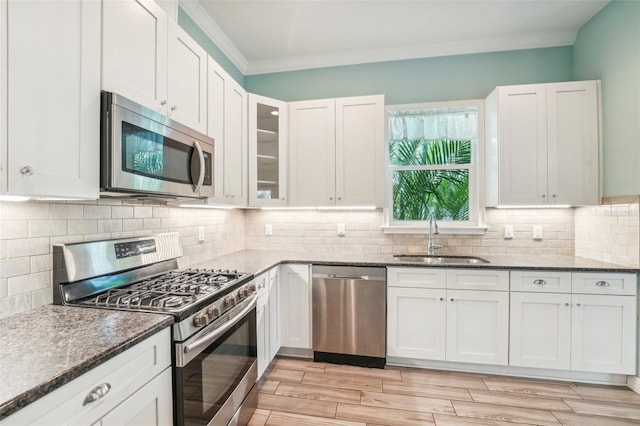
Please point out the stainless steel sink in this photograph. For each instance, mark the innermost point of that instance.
(440, 260)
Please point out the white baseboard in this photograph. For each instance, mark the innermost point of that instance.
(633, 382)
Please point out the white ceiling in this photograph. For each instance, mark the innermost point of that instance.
(262, 36)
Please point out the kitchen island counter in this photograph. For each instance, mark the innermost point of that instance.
(45, 348)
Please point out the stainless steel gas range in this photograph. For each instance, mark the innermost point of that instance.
(214, 336)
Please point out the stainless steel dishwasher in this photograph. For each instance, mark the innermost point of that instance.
(349, 315)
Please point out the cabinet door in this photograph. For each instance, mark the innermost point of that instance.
(262, 326)
(235, 143)
(134, 51)
(540, 330)
(150, 405)
(522, 142)
(295, 313)
(51, 144)
(360, 151)
(573, 143)
(216, 95)
(268, 151)
(275, 339)
(312, 169)
(187, 80)
(478, 326)
(416, 323)
(603, 334)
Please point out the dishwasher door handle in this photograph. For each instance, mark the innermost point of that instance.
(342, 277)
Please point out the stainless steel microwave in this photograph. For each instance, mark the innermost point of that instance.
(144, 154)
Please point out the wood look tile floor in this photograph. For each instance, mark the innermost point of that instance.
(299, 392)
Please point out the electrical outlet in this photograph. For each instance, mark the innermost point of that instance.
(268, 229)
(537, 232)
(200, 233)
(341, 229)
(508, 231)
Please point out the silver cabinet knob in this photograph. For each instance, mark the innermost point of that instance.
(566, 303)
(544, 195)
(163, 103)
(539, 282)
(602, 284)
(173, 108)
(553, 195)
(27, 170)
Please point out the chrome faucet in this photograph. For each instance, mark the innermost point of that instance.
(433, 230)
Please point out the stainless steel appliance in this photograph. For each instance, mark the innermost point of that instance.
(214, 336)
(145, 154)
(349, 315)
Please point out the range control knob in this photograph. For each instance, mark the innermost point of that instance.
(200, 320)
(213, 312)
(232, 300)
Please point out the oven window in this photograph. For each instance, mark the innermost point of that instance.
(150, 154)
(210, 378)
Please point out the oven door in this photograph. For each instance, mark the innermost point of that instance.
(216, 371)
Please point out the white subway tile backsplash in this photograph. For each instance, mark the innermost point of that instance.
(47, 228)
(106, 226)
(96, 212)
(15, 304)
(82, 227)
(14, 267)
(66, 211)
(10, 229)
(41, 263)
(122, 212)
(28, 283)
(142, 212)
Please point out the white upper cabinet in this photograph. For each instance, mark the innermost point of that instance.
(360, 151)
(227, 125)
(187, 93)
(134, 51)
(542, 144)
(337, 152)
(268, 129)
(312, 169)
(50, 103)
(151, 60)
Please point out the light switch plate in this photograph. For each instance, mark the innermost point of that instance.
(341, 229)
(537, 232)
(268, 229)
(200, 233)
(508, 231)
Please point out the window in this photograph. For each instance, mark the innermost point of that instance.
(433, 166)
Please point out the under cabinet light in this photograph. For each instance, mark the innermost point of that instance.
(323, 208)
(14, 198)
(206, 206)
(550, 206)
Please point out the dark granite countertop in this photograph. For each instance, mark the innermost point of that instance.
(258, 261)
(43, 349)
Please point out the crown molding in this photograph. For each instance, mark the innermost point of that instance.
(201, 17)
(566, 38)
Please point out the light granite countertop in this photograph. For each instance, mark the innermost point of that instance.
(43, 349)
(258, 261)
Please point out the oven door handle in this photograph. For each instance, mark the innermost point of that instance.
(207, 339)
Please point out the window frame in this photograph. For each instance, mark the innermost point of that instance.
(476, 222)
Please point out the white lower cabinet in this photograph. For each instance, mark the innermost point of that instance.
(478, 326)
(295, 304)
(136, 387)
(416, 322)
(267, 318)
(442, 324)
(540, 330)
(603, 335)
(554, 329)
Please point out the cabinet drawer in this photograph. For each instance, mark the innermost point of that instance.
(125, 373)
(417, 277)
(541, 281)
(603, 283)
(475, 279)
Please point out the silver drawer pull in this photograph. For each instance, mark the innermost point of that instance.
(602, 284)
(97, 393)
(539, 282)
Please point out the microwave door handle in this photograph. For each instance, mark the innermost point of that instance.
(200, 167)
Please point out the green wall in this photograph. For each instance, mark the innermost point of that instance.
(203, 40)
(419, 80)
(608, 48)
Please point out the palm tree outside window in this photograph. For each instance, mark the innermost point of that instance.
(433, 164)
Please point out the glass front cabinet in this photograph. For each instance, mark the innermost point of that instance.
(267, 151)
